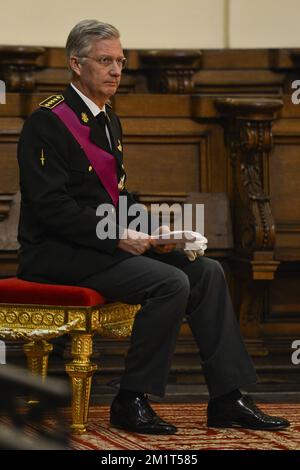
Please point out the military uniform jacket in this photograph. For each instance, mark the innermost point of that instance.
(60, 193)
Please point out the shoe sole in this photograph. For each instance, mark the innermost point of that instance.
(126, 428)
(240, 426)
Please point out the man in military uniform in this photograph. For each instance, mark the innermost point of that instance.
(70, 158)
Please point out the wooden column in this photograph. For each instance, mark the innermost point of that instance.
(248, 136)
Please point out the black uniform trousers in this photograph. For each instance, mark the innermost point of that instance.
(168, 287)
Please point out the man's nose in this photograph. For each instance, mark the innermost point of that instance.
(115, 70)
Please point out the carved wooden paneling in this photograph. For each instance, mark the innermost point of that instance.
(284, 300)
(178, 154)
(9, 176)
(163, 166)
(285, 188)
(171, 155)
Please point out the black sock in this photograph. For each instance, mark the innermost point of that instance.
(129, 394)
(230, 397)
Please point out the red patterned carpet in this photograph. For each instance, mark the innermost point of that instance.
(192, 432)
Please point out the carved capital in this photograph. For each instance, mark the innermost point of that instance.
(17, 65)
(82, 347)
(171, 71)
(248, 131)
(249, 108)
(256, 135)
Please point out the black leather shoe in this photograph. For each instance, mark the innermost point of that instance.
(242, 413)
(136, 415)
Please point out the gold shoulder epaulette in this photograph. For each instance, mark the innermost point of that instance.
(51, 101)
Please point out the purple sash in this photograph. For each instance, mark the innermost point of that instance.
(103, 162)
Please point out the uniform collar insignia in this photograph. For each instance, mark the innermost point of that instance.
(121, 184)
(119, 146)
(84, 117)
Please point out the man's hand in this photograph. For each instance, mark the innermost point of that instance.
(134, 242)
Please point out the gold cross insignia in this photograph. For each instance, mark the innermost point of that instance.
(90, 168)
(84, 118)
(121, 184)
(42, 158)
(120, 148)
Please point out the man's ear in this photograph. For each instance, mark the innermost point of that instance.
(74, 65)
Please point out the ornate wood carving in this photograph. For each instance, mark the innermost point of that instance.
(17, 65)
(248, 135)
(171, 71)
(248, 131)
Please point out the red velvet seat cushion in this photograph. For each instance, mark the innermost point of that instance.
(17, 291)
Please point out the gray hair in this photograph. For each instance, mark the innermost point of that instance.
(82, 34)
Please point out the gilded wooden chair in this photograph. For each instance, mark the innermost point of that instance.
(35, 313)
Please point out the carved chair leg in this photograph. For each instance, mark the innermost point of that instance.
(81, 371)
(37, 353)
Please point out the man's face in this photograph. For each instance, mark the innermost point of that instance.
(99, 80)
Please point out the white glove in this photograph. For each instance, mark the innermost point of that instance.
(196, 248)
(191, 249)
